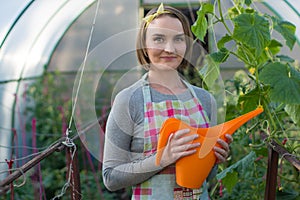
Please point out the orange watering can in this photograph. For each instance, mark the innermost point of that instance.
(192, 170)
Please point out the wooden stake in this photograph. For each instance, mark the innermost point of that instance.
(270, 190)
(75, 190)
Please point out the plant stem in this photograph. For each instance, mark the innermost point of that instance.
(241, 58)
(222, 18)
(269, 116)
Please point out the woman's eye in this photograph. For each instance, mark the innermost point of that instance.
(179, 39)
(158, 40)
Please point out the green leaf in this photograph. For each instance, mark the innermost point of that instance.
(287, 195)
(220, 56)
(253, 31)
(242, 164)
(210, 71)
(249, 10)
(285, 58)
(221, 43)
(273, 48)
(245, 53)
(284, 81)
(248, 2)
(233, 12)
(250, 101)
(294, 112)
(199, 28)
(230, 181)
(287, 30)
(261, 151)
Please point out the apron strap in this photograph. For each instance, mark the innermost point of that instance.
(189, 86)
(146, 89)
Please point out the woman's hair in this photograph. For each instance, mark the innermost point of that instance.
(141, 37)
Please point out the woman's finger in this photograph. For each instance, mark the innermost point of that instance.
(220, 158)
(170, 137)
(185, 147)
(223, 144)
(229, 138)
(181, 137)
(221, 151)
(180, 133)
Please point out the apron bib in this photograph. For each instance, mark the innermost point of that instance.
(163, 185)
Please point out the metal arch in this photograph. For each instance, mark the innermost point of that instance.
(9, 15)
(294, 5)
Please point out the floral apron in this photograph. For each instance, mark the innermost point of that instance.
(163, 185)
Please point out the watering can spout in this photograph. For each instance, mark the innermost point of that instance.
(231, 126)
(212, 134)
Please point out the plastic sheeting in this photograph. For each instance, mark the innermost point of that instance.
(30, 31)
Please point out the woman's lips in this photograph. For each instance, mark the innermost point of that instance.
(168, 58)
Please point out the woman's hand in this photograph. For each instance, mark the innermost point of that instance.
(223, 152)
(179, 145)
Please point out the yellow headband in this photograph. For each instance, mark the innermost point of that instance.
(159, 11)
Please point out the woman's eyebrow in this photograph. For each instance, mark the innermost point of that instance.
(158, 34)
(163, 35)
(180, 35)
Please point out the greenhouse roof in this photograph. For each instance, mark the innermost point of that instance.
(31, 33)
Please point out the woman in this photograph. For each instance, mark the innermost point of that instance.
(163, 48)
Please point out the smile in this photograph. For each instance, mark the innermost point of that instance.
(168, 57)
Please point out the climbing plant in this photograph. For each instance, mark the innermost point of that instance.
(269, 79)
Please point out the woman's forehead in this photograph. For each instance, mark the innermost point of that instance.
(165, 25)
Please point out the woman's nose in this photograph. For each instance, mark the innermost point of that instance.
(169, 47)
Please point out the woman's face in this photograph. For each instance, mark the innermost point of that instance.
(165, 43)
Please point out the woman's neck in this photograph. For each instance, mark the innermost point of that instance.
(166, 82)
